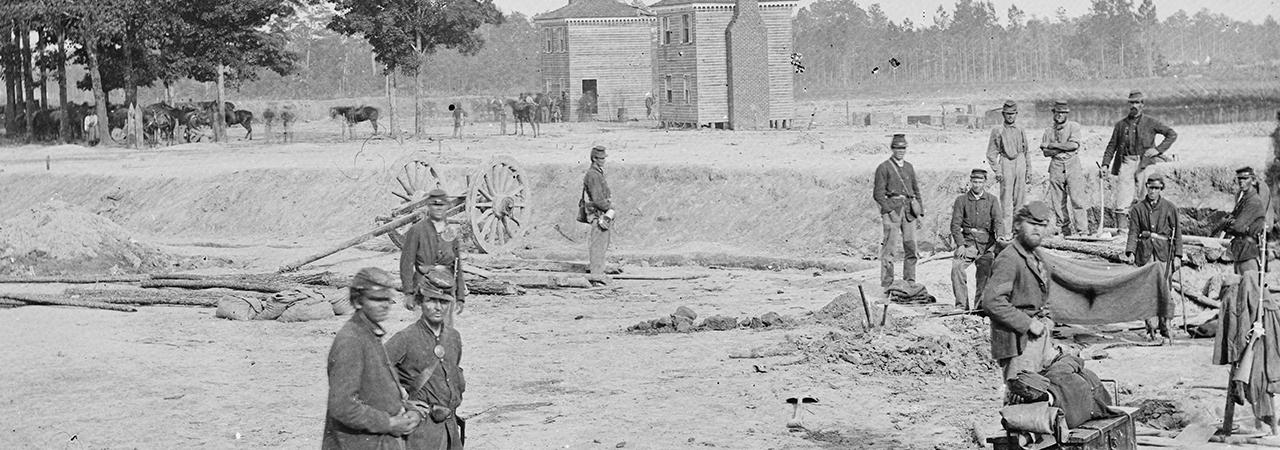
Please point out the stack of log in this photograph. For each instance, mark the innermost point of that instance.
(1200, 251)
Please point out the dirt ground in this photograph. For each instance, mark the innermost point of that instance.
(549, 369)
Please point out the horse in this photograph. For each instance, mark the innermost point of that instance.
(242, 118)
(524, 112)
(353, 115)
(159, 122)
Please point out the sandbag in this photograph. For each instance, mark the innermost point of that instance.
(238, 308)
(309, 309)
(341, 301)
(271, 309)
(277, 303)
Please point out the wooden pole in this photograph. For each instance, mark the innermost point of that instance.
(219, 123)
(866, 307)
(350, 243)
(57, 301)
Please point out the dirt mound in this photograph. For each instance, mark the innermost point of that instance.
(57, 238)
(1160, 414)
(954, 347)
(846, 312)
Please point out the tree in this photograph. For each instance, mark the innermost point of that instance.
(404, 32)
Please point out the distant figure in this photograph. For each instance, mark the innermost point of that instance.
(1061, 143)
(456, 110)
(1131, 150)
(499, 111)
(269, 120)
(287, 118)
(1273, 171)
(1009, 160)
(897, 191)
(648, 105)
(353, 115)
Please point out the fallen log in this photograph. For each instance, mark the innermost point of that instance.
(658, 277)
(147, 296)
(4, 302)
(237, 285)
(35, 299)
(88, 279)
(1107, 252)
(544, 281)
(1198, 298)
(493, 287)
(542, 265)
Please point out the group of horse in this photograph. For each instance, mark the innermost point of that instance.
(160, 121)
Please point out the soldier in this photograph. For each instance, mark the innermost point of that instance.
(975, 226)
(426, 357)
(1009, 160)
(596, 208)
(1016, 298)
(897, 192)
(1061, 143)
(1131, 150)
(431, 253)
(1154, 235)
(456, 111)
(1245, 226)
(366, 408)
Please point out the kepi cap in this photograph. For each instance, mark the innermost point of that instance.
(437, 197)
(1010, 106)
(899, 141)
(375, 282)
(1060, 106)
(1036, 212)
(1244, 172)
(978, 173)
(1136, 96)
(1155, 179)
(597, 151)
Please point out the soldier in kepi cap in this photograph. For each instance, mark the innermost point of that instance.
(366, 407)
(1154, 235)
(1016, 297)
(1061, 143)
(898, 194)
(596, 208)
(975, 226)
(1010, 162)
(431, 249)
(1131, 150)
(426, 357)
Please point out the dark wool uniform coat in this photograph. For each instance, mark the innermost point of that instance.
(1161, 219)
(423, 247)
(1017, 290)
(1245, 226)
(363, 392)
(411, 352)
(597, 191)
(1133, 137)
(894, 189)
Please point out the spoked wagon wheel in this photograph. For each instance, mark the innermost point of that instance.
(413, 182)
(497, 205)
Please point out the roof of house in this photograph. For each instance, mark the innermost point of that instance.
(686, 2)
(591, 9)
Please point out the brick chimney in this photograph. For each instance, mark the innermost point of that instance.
(748, 67)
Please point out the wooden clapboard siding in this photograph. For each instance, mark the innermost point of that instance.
(617, 53)
(777, 22)
(678, 60)
(553, 66)
(713, 70)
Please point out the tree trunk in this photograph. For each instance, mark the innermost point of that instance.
(391, 104)
(42, 37)
(10, 84)
(130, 91)
(220, 122)
(95, 74)
(65, 132)
(28, 81)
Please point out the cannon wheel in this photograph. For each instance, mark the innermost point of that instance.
(497, 205)
(413, 182)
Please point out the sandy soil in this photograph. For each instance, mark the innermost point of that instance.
(551, 369)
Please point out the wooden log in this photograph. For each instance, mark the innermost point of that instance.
(1198, 298)
(1106, 252)
(11, 303)
(147, 296)
(493, 287)
(381, 230)
(1205, 241)
(237, 285)
(544, 281)
(86, 279)
(35, 299)
(658, 277)
(467, 268)
(544, 265)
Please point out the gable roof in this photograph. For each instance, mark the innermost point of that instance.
(687, 2)
(591, 9)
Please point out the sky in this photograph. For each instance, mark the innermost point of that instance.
(921, 11)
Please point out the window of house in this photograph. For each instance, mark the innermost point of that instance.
(547, 32)
(564, 39)
(666, 30)
(684, 20)
(666, 86)
(685, 84)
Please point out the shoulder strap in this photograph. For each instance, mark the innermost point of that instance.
(899, 174)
